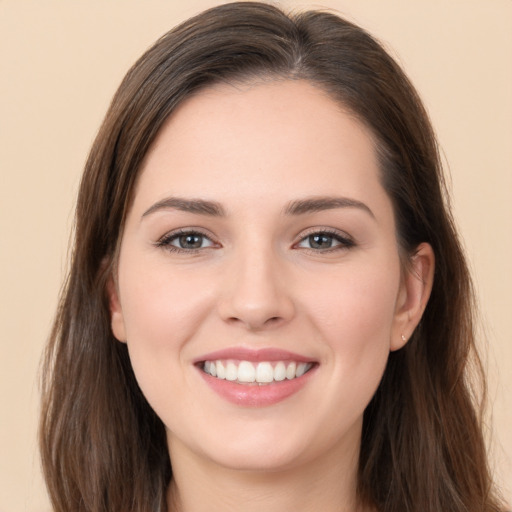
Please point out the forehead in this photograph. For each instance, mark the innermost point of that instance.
(260, 138)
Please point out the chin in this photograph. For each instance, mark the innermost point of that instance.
(260, 460)
(258, 449)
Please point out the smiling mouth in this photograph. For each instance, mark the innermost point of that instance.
(261, 373)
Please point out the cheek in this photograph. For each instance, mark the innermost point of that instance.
(354, 317)
(160, 305)
(357, 305)
(161, 311)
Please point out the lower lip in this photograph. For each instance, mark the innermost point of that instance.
(254, 395)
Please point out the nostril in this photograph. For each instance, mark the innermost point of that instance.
(270, 322)
(255, 324)
(254, 307)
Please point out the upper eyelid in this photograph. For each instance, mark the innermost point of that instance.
(343, 235)
(345, 241)
(166, 241)
(186, 231)
(324, 230)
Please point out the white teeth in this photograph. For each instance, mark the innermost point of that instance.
(261, 373)
(231, 371)
(301, 370)
(290, 371)
(264, 372)
(280, 371)
(246, 372)
(221, 371)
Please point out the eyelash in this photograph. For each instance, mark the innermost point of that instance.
(166, 241)
(343, 242)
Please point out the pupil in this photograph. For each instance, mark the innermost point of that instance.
(320, 241)
(191, 241)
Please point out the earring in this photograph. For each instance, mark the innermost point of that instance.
(404, 339)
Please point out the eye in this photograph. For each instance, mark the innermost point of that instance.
(185, 241)
(325, 241)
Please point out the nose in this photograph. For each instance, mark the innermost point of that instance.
(256, 293)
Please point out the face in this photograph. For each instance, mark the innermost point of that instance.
(259, 284)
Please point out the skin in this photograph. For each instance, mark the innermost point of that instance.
(256, 281)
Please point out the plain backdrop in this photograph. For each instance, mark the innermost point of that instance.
(60, 63)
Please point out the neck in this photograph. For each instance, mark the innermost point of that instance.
(327, 484)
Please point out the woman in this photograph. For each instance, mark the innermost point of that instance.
(268, 307)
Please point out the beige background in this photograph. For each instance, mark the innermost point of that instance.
(60, 62)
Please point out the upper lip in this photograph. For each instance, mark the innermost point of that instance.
(253, 355)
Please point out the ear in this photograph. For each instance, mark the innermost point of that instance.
(116, 312)
(415, 288)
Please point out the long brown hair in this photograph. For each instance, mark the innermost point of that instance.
(103, 448)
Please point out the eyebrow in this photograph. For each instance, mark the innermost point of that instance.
(197, 206)
(298, 207)
(317, 204)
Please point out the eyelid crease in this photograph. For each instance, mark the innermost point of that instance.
(165, 240)
(345, 241)
(337, 233)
